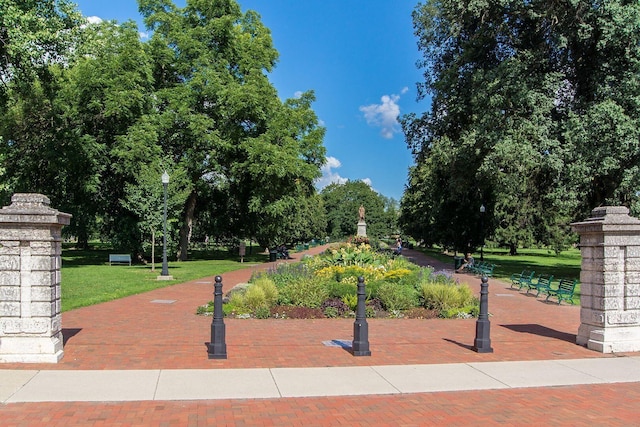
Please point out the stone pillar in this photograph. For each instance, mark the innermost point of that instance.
(610, 280)
(362, 229)
(30, 258)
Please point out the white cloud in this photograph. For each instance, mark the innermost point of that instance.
(143, 35)
(384, 115)
(328, 175)
(94, 19)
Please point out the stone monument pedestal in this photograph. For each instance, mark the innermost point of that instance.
(362, 228)
(30, 258)
(610, 281)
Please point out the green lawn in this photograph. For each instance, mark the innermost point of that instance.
(542, 261)
(87, 277)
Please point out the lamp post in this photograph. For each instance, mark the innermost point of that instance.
(165, 267)
(482, 211)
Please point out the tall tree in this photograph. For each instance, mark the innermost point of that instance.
(517, 90)
(342, 202)
(61, 136)
(219, 116)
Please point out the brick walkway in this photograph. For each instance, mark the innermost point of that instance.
(147, 332)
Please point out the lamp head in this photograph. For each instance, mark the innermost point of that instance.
(165, 178)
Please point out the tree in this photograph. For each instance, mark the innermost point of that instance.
(219, 116)
(62, 136)
(342, 202)
(517, 90)
(91, 128)
(33, 35)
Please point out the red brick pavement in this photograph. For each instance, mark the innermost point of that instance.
(137, 333)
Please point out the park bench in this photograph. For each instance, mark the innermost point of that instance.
(541, 285)
(119, 259)
(565, 290)
(486, 270)
(476, 267)
(522, 279)
(482, 268)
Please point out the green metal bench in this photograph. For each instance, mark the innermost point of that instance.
(522, 279)
(542, 284)
(119, 259)
(486, 270)
(477, 267)
(565, 290)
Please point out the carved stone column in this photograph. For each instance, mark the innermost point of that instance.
(30, 259)
(610, 280)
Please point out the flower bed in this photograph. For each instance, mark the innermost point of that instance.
(326, 286)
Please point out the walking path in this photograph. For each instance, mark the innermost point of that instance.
(142, 360)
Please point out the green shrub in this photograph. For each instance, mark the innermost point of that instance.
(340, 289)
(254, 298)
(395, 297)
(262, 312)
(285, 273)
(331, 312)
(440, 296)
(236, 305)
(304, 292)
(269, 289)
(351, 301)
(205, 309)
(460, 312)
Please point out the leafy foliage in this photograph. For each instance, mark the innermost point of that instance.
(534, 115)
(91, 116)
(342, 202)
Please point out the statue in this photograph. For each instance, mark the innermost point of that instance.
(362, 226)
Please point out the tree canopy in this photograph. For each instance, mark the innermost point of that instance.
(534, 114)
(92, 116)
(342, 202)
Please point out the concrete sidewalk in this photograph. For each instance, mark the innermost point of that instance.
(212, 384)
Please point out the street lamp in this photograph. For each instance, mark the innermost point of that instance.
(165, 267)
(482, 211)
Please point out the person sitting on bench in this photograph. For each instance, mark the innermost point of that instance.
(283, 251)
(466, 263)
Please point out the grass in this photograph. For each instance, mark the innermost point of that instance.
(87, 277)
(543, 261)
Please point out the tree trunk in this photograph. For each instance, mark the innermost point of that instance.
(185, 231)
(83, 236)
(513, 249)
(153, 250)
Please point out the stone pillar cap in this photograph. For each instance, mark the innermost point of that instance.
(611, 218)
(32, 207)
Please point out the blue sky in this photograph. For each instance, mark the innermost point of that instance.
(358, 57)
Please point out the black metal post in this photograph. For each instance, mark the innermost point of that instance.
(482, 343)
(165, 266)
(217, 348)
(360, 327)
(482, 211)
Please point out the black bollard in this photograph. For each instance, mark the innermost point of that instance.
(217, 348)
(482, 344)
(360, 327)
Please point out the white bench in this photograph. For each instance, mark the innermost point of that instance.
(119, 259)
